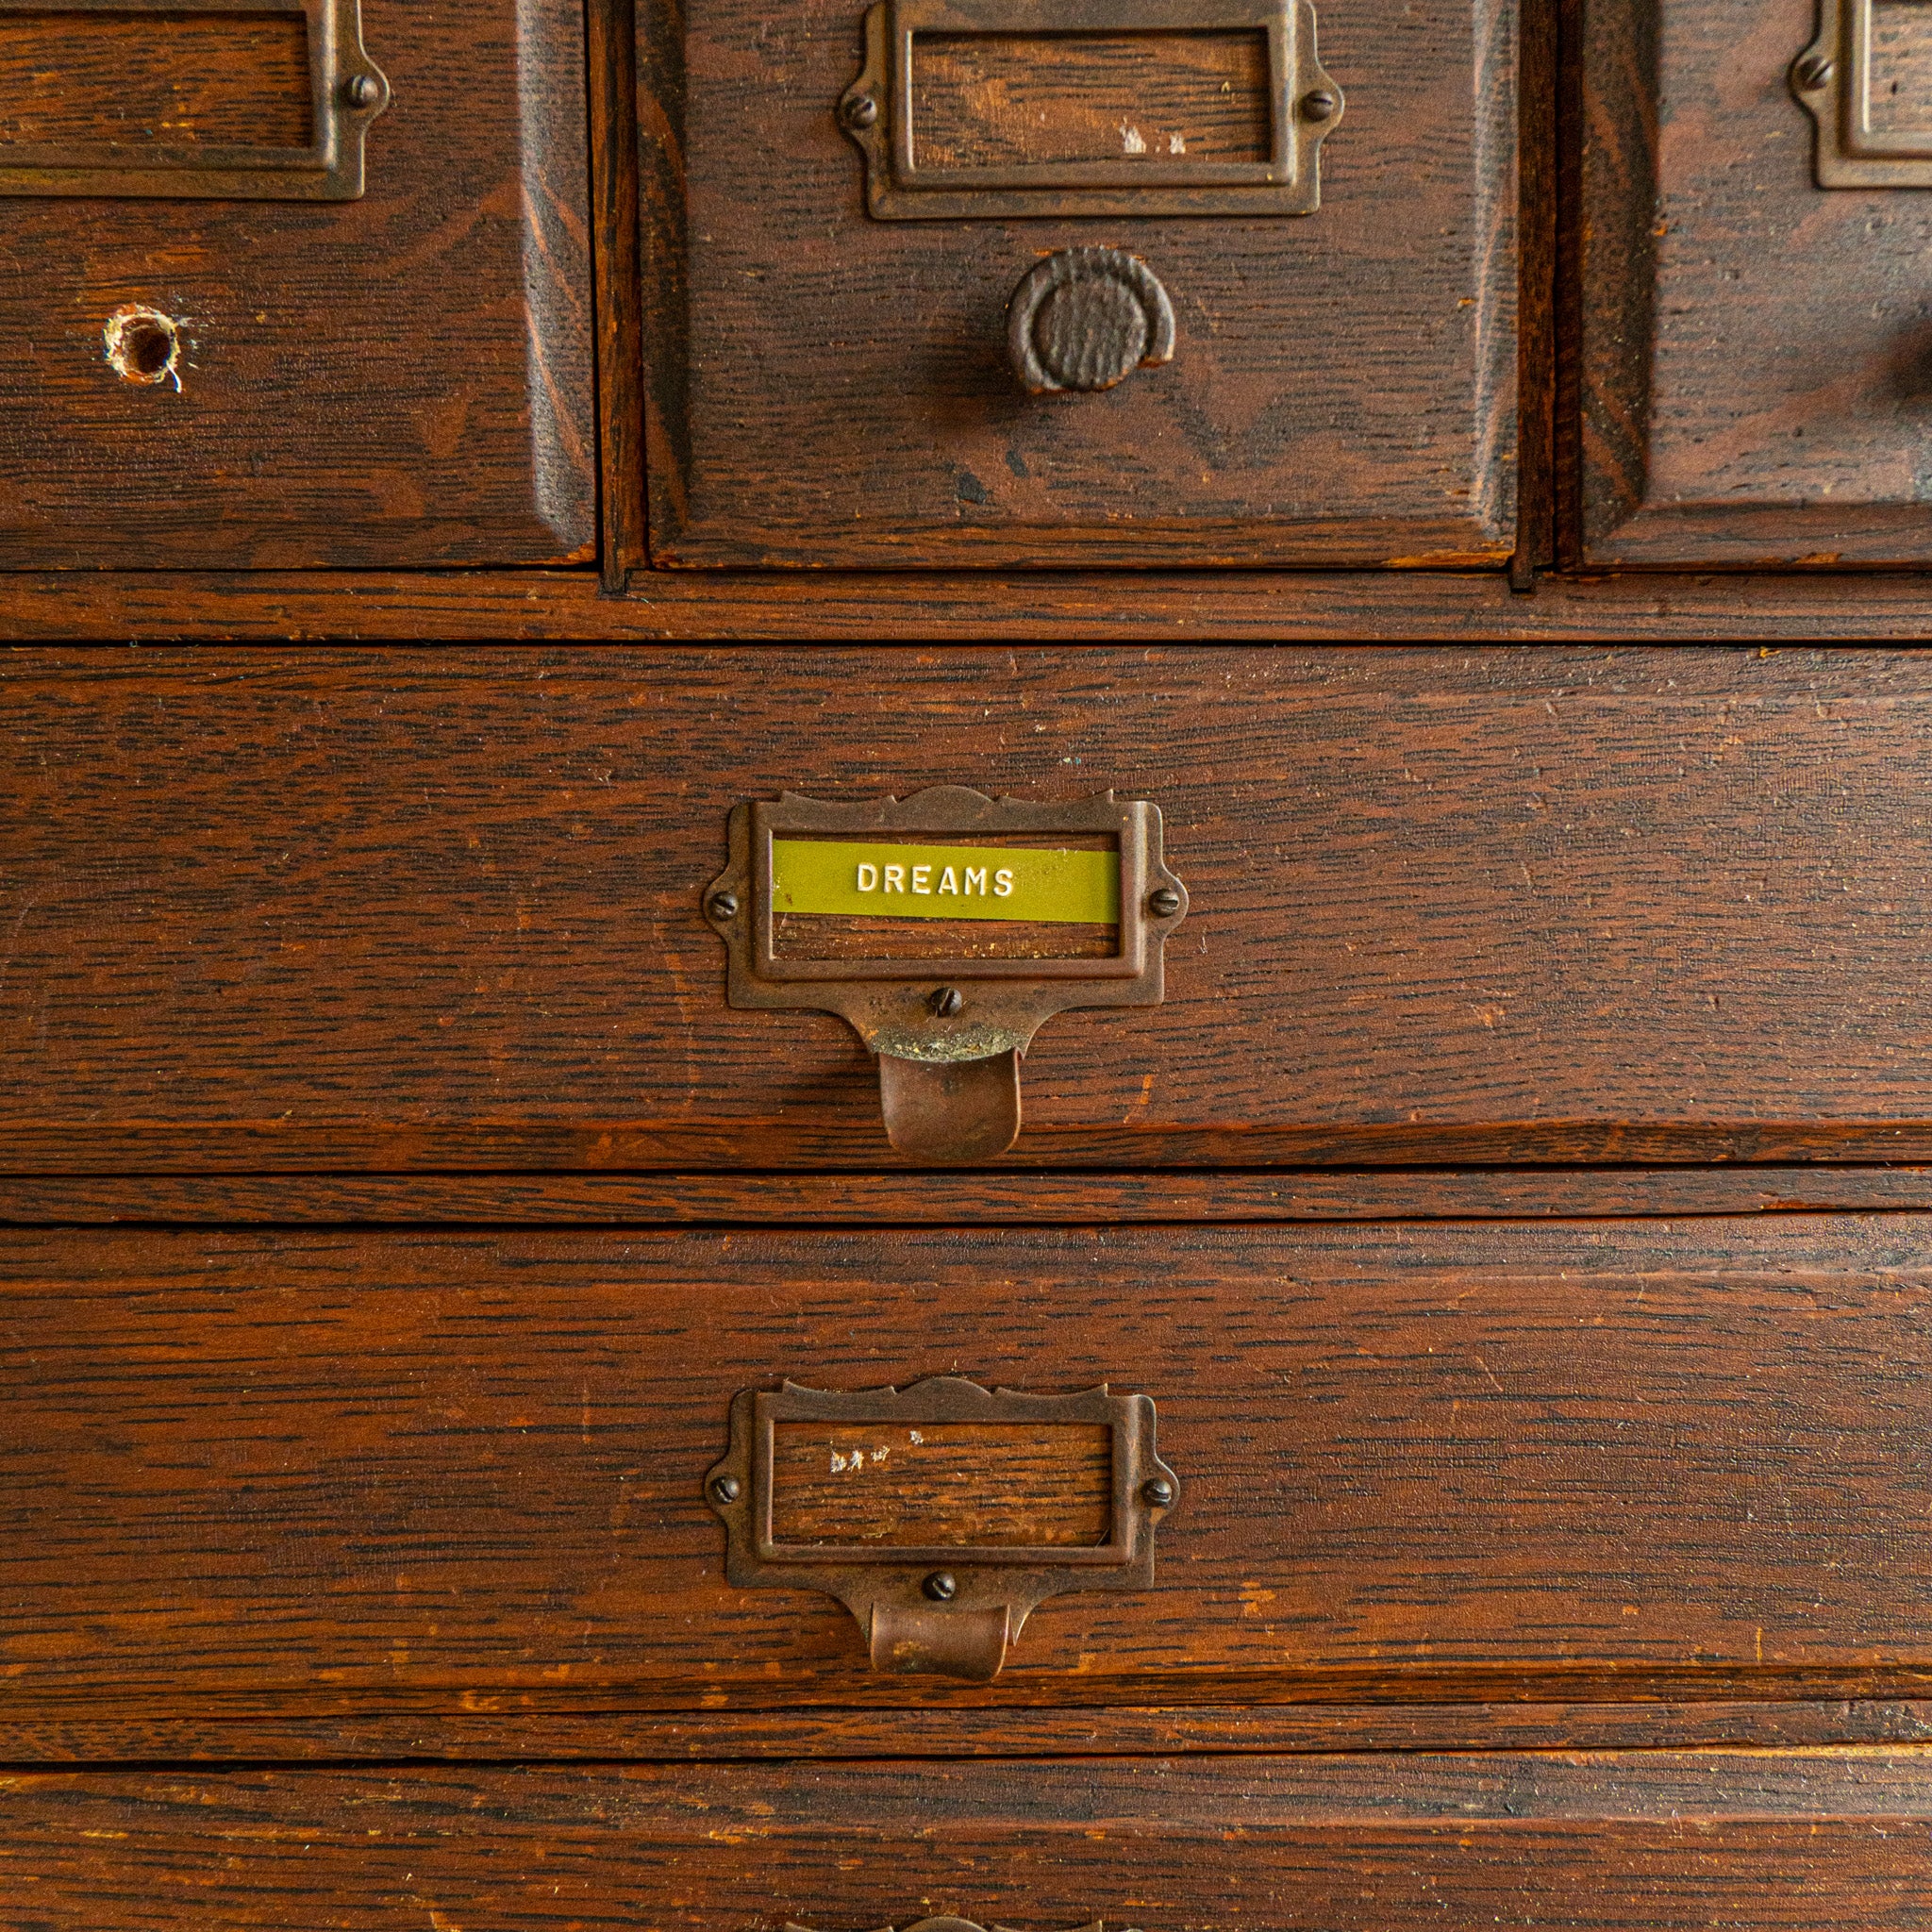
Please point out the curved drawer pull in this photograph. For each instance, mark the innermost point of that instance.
(950, 1926)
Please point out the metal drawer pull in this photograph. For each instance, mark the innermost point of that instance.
(940, 1515)
(946, 927)
(1085, 319)
(950, 1925)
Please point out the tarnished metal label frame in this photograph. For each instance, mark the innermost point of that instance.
(346, 93)
(889, 1001)
(948, 1033)
(1832, 80)
(990, 1589)
(1305, 108)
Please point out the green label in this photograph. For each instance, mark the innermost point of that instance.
(946, 881)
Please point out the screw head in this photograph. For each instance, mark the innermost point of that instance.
(1164, 903)
(1814, 70)
(1318, 106)
(861, 110)
(1157, 1492)
(724, 906)
(725, 1489)
(947, 1001)
(941, 1587)
(362, 90)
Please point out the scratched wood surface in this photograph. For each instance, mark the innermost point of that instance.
(401, 380)
(312, 1472)
(965, 1484)
(509, 1729)
(1000, 100)
(1155, 606)
(1754, 349)
(915, 1199)
(1801, 1842)
(154, 80)
(830, 390)
(443, 910)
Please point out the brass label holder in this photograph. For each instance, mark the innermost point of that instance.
(948, 1032)
(877, 111)
(347, 91)
(949, 1610)
(1833, 81)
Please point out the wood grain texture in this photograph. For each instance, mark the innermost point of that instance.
(1800, 1842)
(964, 1484)
(1215, 606)
(1002, 100)
(916, 1200)
(507, 1729)
(443, 910)
(302, 1474)
(611, 25)
(154, 80)
(834, 391)
(1755, 347)
(401, 380)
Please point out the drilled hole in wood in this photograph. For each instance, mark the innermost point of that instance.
(143, 345)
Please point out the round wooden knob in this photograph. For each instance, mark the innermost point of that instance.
(1085, 319)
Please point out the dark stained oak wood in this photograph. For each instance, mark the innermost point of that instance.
(1002, 100)
(1799, 1842)
(443, 909)
(1754, 348)
(509, 1728)
(1306, 608)
(611, 25)
(151, 81)
(931, 1200)
(290, 1474)
(404, 380)
(833, 391)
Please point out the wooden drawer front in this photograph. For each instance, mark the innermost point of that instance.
(399, 381)
(828, 388)
(1753, 344)
(1804, 1842)
(1583, 1459)
(448, 910)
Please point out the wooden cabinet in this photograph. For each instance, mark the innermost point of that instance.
(1540, 319)
(1755, 343)
(831, 388)
(197, 381)
(503, 1423)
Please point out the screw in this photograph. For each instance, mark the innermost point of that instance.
(1157, 1492)
(725, 1490)
(941, 1586)
(861, 110)
(362, 91)
(947, 1001)
(1814, 70)
(1318, 106)
(1164, 903)
(724, 905)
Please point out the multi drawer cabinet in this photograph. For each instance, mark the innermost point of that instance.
(1148, 319)
(1176, 1290)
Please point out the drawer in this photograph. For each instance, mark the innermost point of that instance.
(831, 325)
(1803, 1842)
(304, 1473)
(420, 911)
(1753, 342)
(201, 379)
